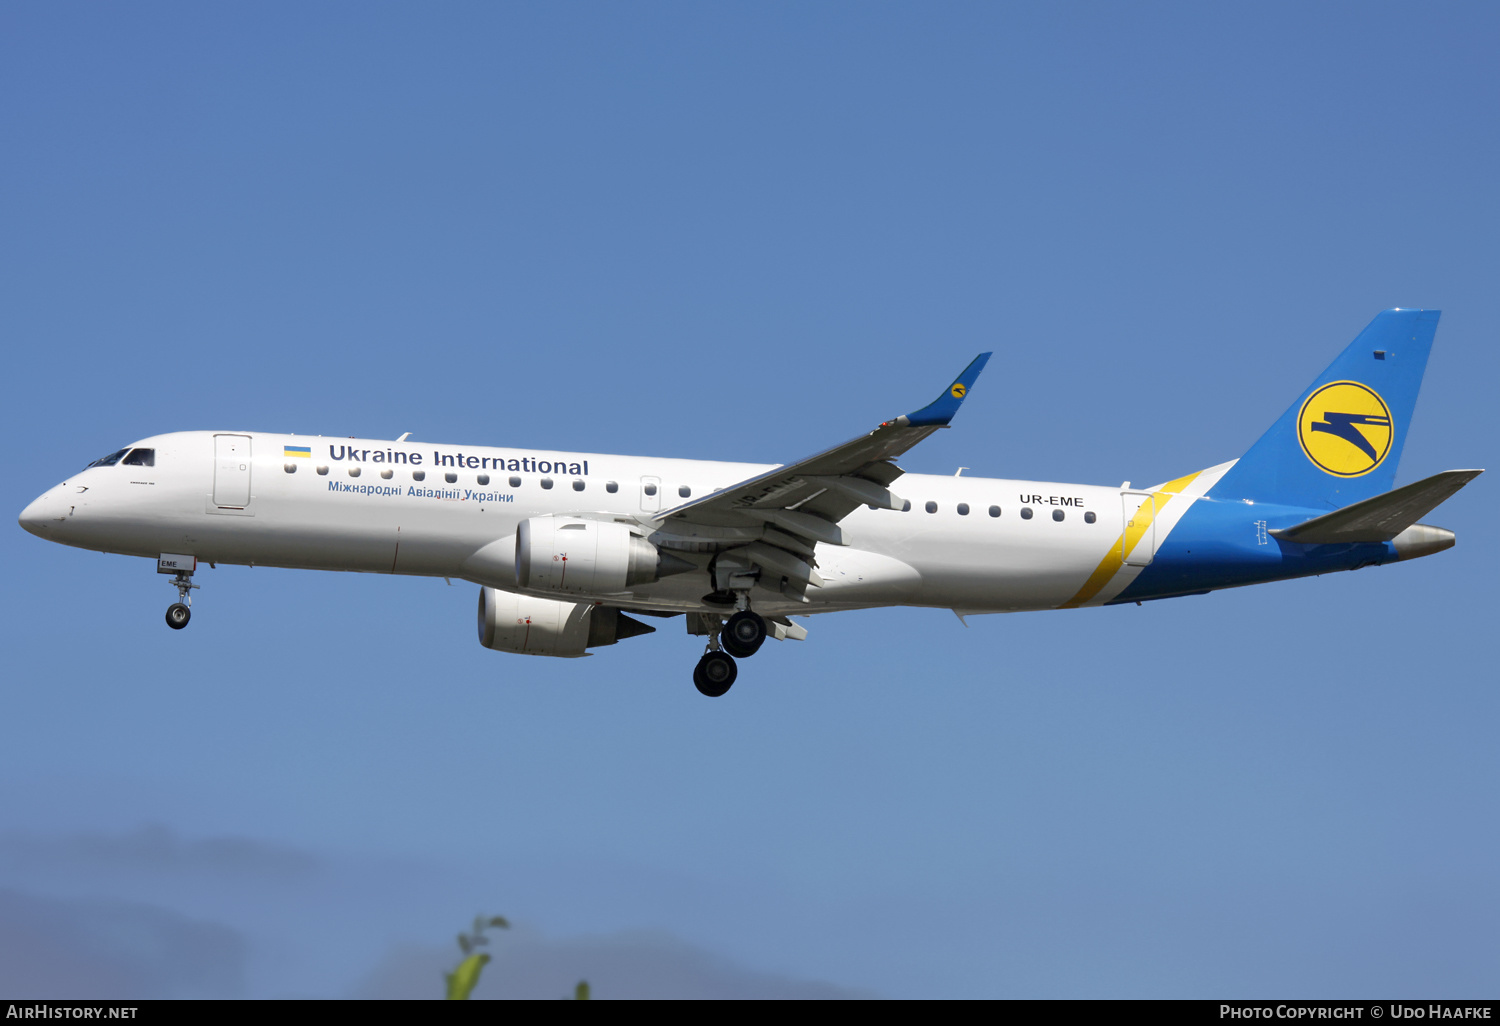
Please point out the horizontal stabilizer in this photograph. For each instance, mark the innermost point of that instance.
(1382, 518)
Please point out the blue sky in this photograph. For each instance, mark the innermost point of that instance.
(745, 232)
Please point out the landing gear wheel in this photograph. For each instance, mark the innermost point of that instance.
(743, 634)
(714, 674)
(178, 616)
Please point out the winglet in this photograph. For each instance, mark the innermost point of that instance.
(941, 410)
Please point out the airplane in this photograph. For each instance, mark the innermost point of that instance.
(565, 547)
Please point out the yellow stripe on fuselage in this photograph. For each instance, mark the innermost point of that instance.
(1126, 542)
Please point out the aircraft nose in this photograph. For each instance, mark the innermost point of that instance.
(40, 516)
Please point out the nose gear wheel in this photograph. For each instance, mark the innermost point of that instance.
(178, 613)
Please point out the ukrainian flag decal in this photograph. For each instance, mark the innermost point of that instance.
(297, 450)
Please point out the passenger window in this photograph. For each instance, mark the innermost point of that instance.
(546, 482)
(963, 509)
(1058, 515)
(515, 482)
(994, 511)
(685, 491)
(353, 471)
(906, 506)
(1025, 512)
(932, 507)
(387, 474)
(322, 471)
(451, 477)
(108, 461)
(140, 458)
(612, 486)
(578, 486)
(291, 468)
(650, 489)
(419, 475)
(1089, 517)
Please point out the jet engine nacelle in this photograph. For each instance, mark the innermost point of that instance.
(529, 625)
(582, 557)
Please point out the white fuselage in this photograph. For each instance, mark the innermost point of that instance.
(359, 505)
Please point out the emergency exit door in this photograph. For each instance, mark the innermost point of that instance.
(650, 494)
(232, 471)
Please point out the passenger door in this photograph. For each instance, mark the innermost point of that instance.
(231, 471)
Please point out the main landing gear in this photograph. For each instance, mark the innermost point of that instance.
(741, 637)
(744, 634)
(714, 674)
(178, 613)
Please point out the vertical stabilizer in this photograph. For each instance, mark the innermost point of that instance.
(1341, 441)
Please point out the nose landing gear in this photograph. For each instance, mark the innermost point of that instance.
(178, 613)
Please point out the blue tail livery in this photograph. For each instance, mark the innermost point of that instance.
(1340, 442)
(1314, 494)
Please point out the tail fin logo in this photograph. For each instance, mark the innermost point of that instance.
(1345, 429)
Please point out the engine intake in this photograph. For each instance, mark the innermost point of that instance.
(529, 625)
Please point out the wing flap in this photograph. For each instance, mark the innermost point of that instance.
(803, 525)
(1382, 518)
(860, 490)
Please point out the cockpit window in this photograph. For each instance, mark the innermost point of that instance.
(108, 461)
(140, 458)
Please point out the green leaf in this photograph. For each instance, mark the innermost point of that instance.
(463, 943)
(581, 992)
(500, 922)
(461, 981)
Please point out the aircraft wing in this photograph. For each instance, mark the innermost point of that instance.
(808, 498)
(1383, 517)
